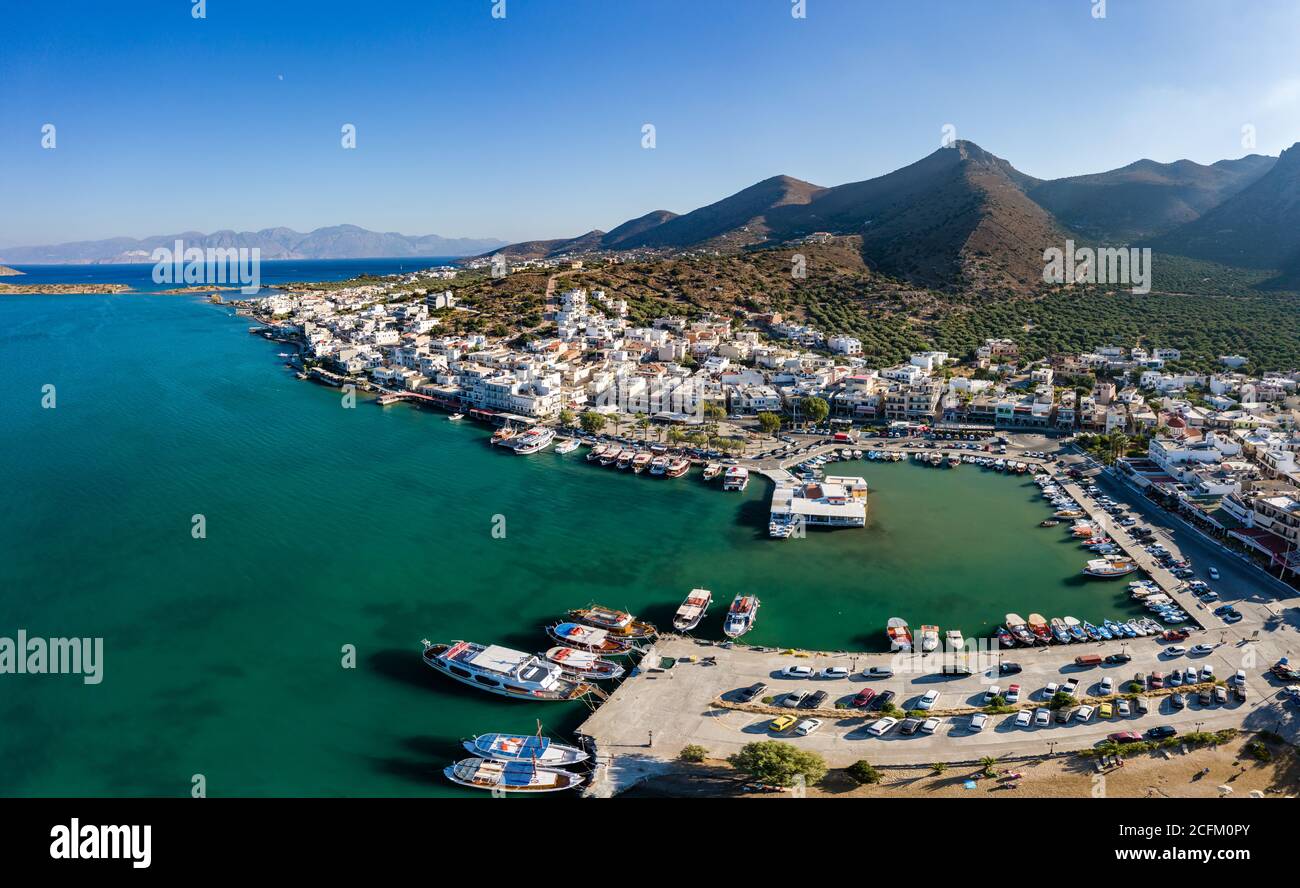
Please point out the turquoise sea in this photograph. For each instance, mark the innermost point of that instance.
(372, 527)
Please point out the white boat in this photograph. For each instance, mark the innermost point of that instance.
(900, 637)
(1109, 567)
(659, 465)
(736, 478)
(596, 452)
(929, 639)
(498, 776)
(589, 638)
(568, 445)
(692, 610)
(955, 640)
(500, 670)
(741, 616)
(534, 440)
(583, 664)
(711, 471)
(456, 417)
(524, 748)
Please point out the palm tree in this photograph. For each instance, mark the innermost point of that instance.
(987, 764)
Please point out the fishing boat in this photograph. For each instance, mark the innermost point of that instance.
(1093, 632)
(1038, 626)
(583, 664)
(500, 670)
(929, 638)
(658, 465)
(568, 445)
(1059, 632)
(589, 638)
(677, 467)
(498, 776)
(1050, 522)
(954, 462)
(625, 458)
(504, 435)
(956, 641)
(456, 417)
(1076, 629)
(1138, 629)
(524, 748)
(642, 461)
(900, 637)
(1109, 567)
(597, 452)
(534, 440)
(1067, 513)
(1104, 632)
(1019, 630)
(736, 478)
(692, 610)
(615, 622)
(1005, 639)
(741, 616)
(712, 470)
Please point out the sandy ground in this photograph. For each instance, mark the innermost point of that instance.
(1149, 775)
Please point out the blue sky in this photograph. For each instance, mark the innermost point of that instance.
(530, 126)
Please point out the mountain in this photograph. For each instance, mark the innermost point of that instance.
(334, 242)
(1146, 198)
(1259, 227)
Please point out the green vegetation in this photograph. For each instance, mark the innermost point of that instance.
(863, 772)
(1060, 700)
(593, 422)
(777, 763)
(939, 767)
(770, 423)
(987, 764)
(693, 753)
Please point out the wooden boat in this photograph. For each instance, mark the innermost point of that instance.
(1005, 638)
(677, 467)
(583, 664)
(711, 471)
(1016, 626)
(496, 776)
(641, 461)
(900, 637)
(597, 452)
(1059, 632)
(504, 435)
(588, 638)
(616, 622)
(524, 748)
(692, 610)
(1038, 626)
(1076, 629)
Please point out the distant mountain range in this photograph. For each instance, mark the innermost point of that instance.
(335, 242)
(963, 216)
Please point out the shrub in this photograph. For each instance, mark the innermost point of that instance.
(778, 763)
(863, 772)
(693, 753)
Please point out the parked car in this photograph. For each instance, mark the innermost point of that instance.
(1023, 718)
(928, 701)
(813, 701)
(1159, 732)
(807, 726)
(864, 697)
(1172, 651)
(1240, 677)
(1205, 698)
(1106, 686)
(793, 698)
(782, 723)
(1064, 714)
(1013, 694)
(1213, 572)
(797, 672)
(1201, 650)
(1071, 687)
(993, 692)
(834, 672)
(1178, 701)
(1042, 716)
(910, 726)
(1008, 668)
(1220, 694)
(1124, 737)
(1141, 705)
(1123, 709)
(744, 695)
(1105, 710)
(882, 726)
(1084, 713)
(883, 699)
(1158, 679)
(977, 722)
(878, 672)
(1050, 690)
(1207, 672)
(930, 725)
(1118, 658)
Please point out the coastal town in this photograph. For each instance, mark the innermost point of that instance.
(1188, 482)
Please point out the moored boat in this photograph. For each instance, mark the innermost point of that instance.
(1076, 629)
(1019, 630)
(929, 638)
(741, 616)
(1109, 567)
(624, 459)
(589, 638)
(500, 670)
(1005, 639)
(498, 776)
(1093, 632)
(1050, 522)
(583, 664)
(677, 467)
(568, 445)
(642, 461)
(597, 452)
(534, 440)
(692, 610)
(616, 622)
(658, 465)
(524, 748)
(1059, 632)
(711, 471)
(956, 641)
(504, 435)
(1038, 626)
(736, 478)
(456, 417)
(900, 637)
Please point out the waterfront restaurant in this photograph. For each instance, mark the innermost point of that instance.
(838, 501)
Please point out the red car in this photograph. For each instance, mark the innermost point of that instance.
(1157, 679)
(1124, 737)
(865, 696)
(1175, 635)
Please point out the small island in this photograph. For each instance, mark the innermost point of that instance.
(6, 271)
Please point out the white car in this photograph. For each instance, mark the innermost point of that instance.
(1042, 716)
(1240, 677)
(1201, 649)
(1013, 694)
(1023, 718)
(878, 672)
(992, 692)
(834, 672)
(793, 699)
(928, 701)
(1084, 713)
(1123, 709)
(881, 727)
(1107, 686)
(1050, 691)
(1214, 573)
(978, 721)
(1175, 651)
(930, 725)
(1207, 672)
(807, 726)
(797, 672)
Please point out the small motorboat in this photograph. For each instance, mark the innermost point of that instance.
(929, 638)
(1005, 638)
(456, 417)
(568, 445)
(1076, 630)
(616, 622)
(583, 664)
(1093, 632)
(1038, 626)
(900, 637)
(1059, 631)
(692, 610)
(524, 748)
(741, 616)
(956, 641)
(1050, 522)
(597, 452)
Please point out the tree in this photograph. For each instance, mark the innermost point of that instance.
(592, 422)
(815, 409)
(566, 417)
(863, 772)
(987, 763)
(643, 423)
(777, 763)
(693, 753)
(770, 423)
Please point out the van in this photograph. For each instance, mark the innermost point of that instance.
(1088, 660)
